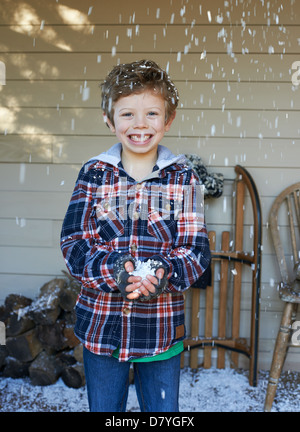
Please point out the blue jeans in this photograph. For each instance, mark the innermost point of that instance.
(107, 380)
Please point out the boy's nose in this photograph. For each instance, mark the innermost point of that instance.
(140, 122)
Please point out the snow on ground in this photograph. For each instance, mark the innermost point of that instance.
(210, 390)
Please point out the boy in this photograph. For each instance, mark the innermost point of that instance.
(135, 205)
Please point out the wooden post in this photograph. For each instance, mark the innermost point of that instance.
(195, 325)
(279, 354)
(223, 299)
(209, 306)
(237, 280)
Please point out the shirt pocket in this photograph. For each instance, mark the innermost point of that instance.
(162, 228)
(110, 223)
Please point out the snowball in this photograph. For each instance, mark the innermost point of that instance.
(143, 269)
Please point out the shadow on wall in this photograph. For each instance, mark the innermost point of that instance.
(44, 97)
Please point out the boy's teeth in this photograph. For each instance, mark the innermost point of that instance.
(139, 137)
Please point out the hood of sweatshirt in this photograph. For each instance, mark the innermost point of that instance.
(165, 158)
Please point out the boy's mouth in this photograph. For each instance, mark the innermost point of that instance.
(142, 138)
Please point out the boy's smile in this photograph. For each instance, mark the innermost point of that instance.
(139, 122)
(142, 139)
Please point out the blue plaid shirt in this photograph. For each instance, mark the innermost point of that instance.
(111, 213)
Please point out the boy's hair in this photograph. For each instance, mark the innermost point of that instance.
(136, 77)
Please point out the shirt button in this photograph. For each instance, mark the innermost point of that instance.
(133, 247)
(139, 186)
(136, 215)
(126, 311)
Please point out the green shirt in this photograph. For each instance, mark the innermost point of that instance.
(174, 350)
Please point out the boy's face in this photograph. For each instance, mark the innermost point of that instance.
(139, 122)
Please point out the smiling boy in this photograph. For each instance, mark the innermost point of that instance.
(135, 203)
(139, 124)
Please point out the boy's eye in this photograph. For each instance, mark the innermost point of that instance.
(152, 113)
(127, 114)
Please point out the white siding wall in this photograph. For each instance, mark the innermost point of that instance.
(232, 62)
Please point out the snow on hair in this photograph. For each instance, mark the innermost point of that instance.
(126, 79)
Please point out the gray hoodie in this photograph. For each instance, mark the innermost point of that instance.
(165, 158)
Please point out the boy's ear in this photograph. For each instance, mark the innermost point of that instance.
(108, 123)
(170, 121)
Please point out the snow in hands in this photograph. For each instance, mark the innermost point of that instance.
(143, 269)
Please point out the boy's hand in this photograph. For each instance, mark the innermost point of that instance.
(133, 287)
(139, 287)
(122, 266)
(153, 286)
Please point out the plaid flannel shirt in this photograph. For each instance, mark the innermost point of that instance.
(111, 213)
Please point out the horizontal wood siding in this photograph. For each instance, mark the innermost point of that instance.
(234, 65)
